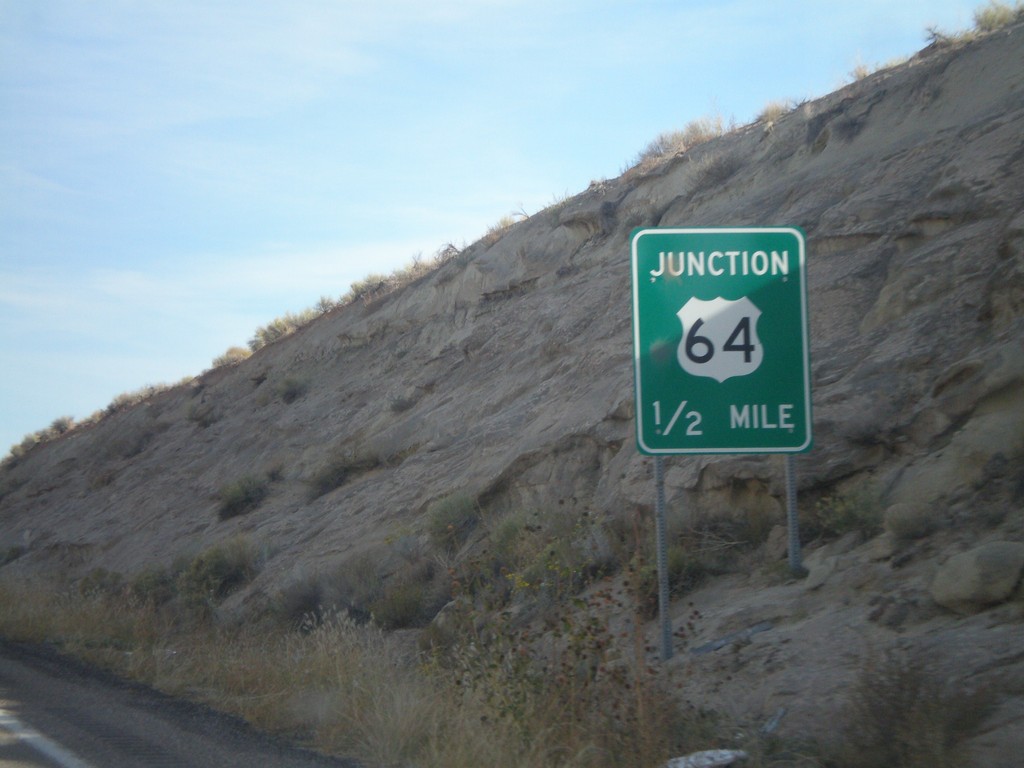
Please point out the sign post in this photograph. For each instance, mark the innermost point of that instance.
(720, 342)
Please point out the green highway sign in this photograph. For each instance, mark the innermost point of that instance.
(720, 348)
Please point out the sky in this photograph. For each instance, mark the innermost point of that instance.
(174, 175)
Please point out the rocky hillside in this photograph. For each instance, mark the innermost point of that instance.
(505, 376)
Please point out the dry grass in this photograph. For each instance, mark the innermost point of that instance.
(842, 513)
(995, 15)
(773, 110)
(523, 667)
(990, 17)
(901, 713)
(231, 356)
(451, 519)
(503, 698)
(860, 71)
(671, 143)
(242, 496)
(341, 467)
(498, 230)
(371, 287)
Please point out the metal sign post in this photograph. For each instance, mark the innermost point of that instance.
(792, 520)
(662, 557)
(720, 349)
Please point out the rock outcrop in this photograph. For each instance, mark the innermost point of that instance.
(984, 576)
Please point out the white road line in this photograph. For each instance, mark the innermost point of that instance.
(40, 743)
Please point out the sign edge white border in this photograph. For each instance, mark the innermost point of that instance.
(798, 233)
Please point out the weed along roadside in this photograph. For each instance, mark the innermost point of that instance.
(345, 687)
(478, 513)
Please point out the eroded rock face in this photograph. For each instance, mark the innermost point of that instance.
(507, 375)
(972, 581)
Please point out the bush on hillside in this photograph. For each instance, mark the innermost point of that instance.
(291, 388)
(995, 15)
(451, 519)
(216, 572)
(901, 713)
(241, 496)
(340, 469)
(231, 356)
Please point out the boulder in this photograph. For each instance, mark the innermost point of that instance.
(906, 521)
(973, 580)
(818, 571)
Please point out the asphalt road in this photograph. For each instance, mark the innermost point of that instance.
(58, 713)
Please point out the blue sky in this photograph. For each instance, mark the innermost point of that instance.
(174, 175)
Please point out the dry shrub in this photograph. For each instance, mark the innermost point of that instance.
(569, 695)
(412, 596)
(231, 356)
(374, 703)
(203, 413)
(291, 388)
(702, 130)
(217, 571)
(92, 623)
(990, 17)
(241, 496)
(773, 110)
(672, 143)
(662, 145)
(369, 287)
(537, 558)
(901, 713)
(572, 690)
(11, 554)
(154, 586)
(860, 71)
(451, 519)
(497, 230)
(282, 326)
(714, 169)
(127, 400)
(842, 513)
(995, 15)
(342, 467)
